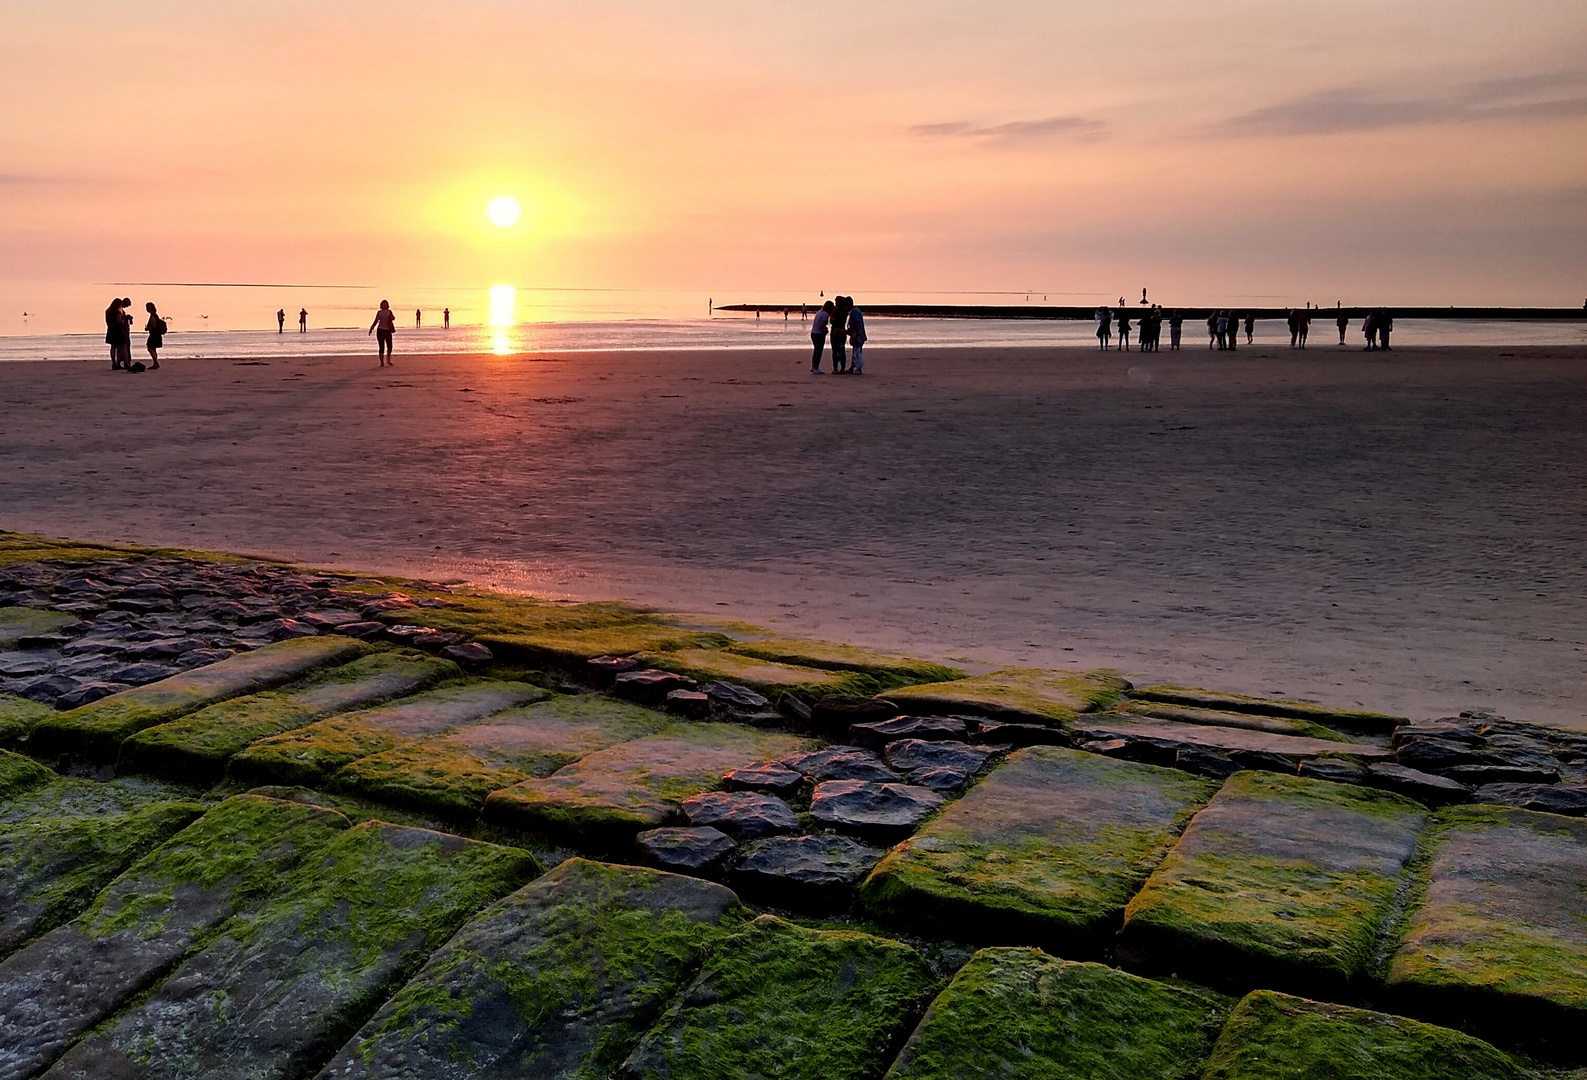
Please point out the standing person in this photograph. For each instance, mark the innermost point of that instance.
(1176, 323)
(446, 318)
(1369, 330)
(1234, 330)
(1104, 328)
(1293, 321)
(156, 329)
(1303, 323)
(1385, 325)
(1250, 327)
(1220, 328)
(386, 323)
(1124, 329)
(818, 335)
(281, 320)
(418, 317)
(303, 320)
(856, 339)
(1342, 321)
(116, 335)
(840, 333)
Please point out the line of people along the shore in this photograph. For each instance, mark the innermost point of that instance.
(1223, 328)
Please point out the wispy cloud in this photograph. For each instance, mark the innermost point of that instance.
(1016, 132)
(1358, 109)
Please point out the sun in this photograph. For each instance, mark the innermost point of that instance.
(503, 211)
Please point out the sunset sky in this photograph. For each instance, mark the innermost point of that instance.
(1406, 152)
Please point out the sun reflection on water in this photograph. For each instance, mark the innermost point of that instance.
(503, 300)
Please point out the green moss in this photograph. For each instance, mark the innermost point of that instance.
(1187, 714)
(559, 979)
(22, 547)
(51, 869)
(18, 774)
(1019, 1014)
(1352, 719)
(18, 718)
(779, 1000)
(1272, 1036)
(763, 676)
(601, 801)
(1046, 851)
(244, 844)
(70, 796)
(886, 669)
(95, 731)
(451, 774)
(1281, 881)
(571, 649)
(1025, 694)
(17, 623)
(196, 748)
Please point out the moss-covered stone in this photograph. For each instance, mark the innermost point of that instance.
(1350, 719)
(1045, 851)
(312, 754)
(558, 980)
(18, 718)
(284, 986)
(17, 623)
(600, 802)
(196, 748)
(1189, 714)
(1294, 747)
(1273, 1036)
(95, 732)
(767, 677)
(572, 649)
(450, 775)
(141, 925)
(1281, 882)
(23, 547)
(18, 774)
(72, 796)
(888, 670)
(1027, 695)
(780, 1000)
(50, 868)
(1019, 1014)
(1498, 945)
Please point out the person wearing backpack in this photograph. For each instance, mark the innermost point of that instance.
(156, 327)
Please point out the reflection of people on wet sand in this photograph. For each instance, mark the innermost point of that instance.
(303, 320)
(281, 320)
(156, 329)
(384, 326)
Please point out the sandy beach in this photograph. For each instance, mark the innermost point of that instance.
(1402, 532)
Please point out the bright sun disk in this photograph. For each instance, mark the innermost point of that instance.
(503, 211)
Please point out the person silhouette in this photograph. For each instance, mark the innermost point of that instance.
(1124, 329)
(303, 320)
(1143, 294)
(446, 318)
(818, 335)
(386, 323)
(1342, 320)
(418, 317)
(156, 329)
(281, 320)
(1176, 324)
(1104, 328)
(117, 335)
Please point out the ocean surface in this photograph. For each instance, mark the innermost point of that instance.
(55, 321)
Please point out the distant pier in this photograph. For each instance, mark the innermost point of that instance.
(1086, 313)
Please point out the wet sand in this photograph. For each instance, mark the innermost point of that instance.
(1405, 532)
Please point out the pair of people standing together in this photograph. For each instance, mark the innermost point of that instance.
(844, 322)
(118, 335)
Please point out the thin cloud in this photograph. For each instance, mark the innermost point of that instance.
(1549, 96)
(1016, 132)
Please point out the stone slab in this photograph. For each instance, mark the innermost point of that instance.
(766, 677)
(602, 800)
(17, 623)
(277, 992)
(561, 979)
(1219, 738)
(312, 754)
(1046, 851)
(1019, 1014)
(95, 732)
(19, 774)
(780, 1000)
(1351, 719)
(1498, 946)
(73, 796)
(19, 716)
(886, 668)
(865, 808)
(747, 815)
(141, 925)
(817, 873)
(197, 747)
(1272, 1036)
(50, 868)
(1035, 695)
(1280, 882)
(1190, 714)
(685, 849)
(450, 775)
(878, 733)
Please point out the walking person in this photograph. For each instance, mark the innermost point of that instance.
(818, 335)
(156, 329)
(1303, 324)
(1343, 322)
(1250, 327)
(840, 332)
(1124, 329)
(384, 327)
(117, 336)
(281, 320)
(1176, 323)
(1104, 328)
(856, 339)
(1293, 321)
(1385, 325)
(1212, 329)
(303, 320)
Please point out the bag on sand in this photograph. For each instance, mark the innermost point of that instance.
(137, 365)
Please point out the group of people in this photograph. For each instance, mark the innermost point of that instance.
(1150, 328)
(303, 320)
(118, 335)
(1376, 327)
(1223, 328)
(843, 322)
